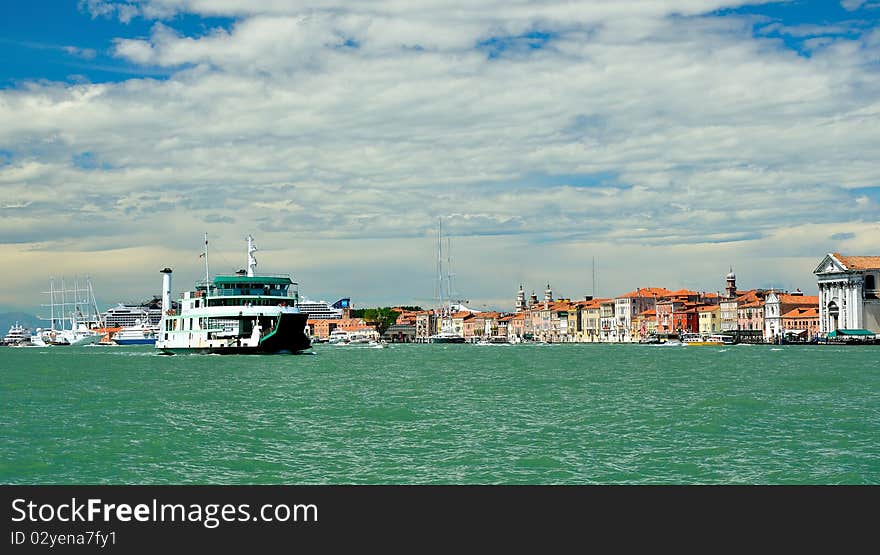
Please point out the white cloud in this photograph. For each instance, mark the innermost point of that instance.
(640, 128)
(852, 5)
(86, 53)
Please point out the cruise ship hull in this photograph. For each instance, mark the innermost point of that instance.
(288, 337)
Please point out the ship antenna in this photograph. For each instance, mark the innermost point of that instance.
(252, 262)
(207, 275)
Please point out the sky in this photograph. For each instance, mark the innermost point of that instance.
(667, 141)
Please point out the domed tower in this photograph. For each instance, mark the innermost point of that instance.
(520, 299)
(533, 299)
(731, 284)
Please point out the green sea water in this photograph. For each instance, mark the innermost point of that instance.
(450, 414)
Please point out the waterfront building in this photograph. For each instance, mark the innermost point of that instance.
(323, 327)
(665, 310)
(607, 322)
(629, 305)
(675, 315)
(479, 325)
(801, 324)
(516, 328)
(849, 294)
(502, 323)
(777, 304)
(683, 315)
(427, 324)
(550, 320)
(458, 319)
(709, 319)
(591, 318)
(646, 324)
(750, 316)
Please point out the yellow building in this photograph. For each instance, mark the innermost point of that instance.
(710, 319)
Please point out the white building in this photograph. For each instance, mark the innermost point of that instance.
(777, 305)
(848, 293)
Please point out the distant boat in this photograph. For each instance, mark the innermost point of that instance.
(354, 337)
(135, 335)
(697, 340)
(74, 316)
(18, 336)
(446, 334)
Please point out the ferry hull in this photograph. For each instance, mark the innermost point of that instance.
(289, 336)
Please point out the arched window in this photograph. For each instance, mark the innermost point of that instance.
(870, 282)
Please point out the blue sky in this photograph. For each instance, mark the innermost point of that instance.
(60, 40)
(670, 140)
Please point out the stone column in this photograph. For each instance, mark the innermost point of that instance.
(857, 303)
(822, 310)
(849, 304)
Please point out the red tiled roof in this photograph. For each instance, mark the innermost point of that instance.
(646, 292)
(802, 313)
(859, 262)
(683, 293)
(486, 315)
(799, 299)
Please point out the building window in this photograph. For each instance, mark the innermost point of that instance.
(870, 282)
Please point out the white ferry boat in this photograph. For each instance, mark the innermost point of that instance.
(234, 314)
(17, 336)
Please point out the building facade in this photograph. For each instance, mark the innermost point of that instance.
(849, 298)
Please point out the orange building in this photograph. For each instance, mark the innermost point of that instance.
(802, 323)
(323, 327)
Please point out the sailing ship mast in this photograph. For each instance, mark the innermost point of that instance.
(440, 307)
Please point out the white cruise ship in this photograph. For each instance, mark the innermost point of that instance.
(234, 314)
(322, 310)
(133, 315)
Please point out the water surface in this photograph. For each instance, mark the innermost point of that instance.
(459, 414)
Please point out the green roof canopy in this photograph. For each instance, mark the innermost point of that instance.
(850, 333)
(266, 280)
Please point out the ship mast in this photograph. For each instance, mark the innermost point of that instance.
(440, 270)
(252, 261)
(207, 275)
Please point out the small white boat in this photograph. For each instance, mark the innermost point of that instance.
(18, 336)
(135, 335)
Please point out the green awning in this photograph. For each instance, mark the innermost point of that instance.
(262, 280)
(850, 333)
